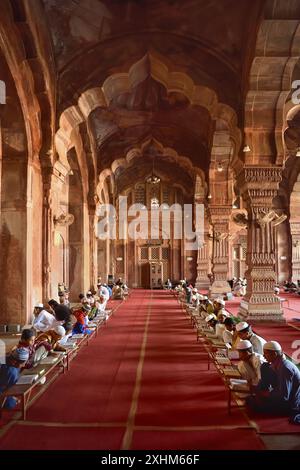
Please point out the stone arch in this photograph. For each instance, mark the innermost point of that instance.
(20, 200)
(26, 40)
(271, 75)
(78, 232)
(136, 153)
(118, 83)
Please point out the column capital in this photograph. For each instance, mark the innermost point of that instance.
(260, 184)
(219, 213)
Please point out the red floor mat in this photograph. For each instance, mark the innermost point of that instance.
(284, 334)
(176, 389)
(62, 438)
(107, 368)
(288, 337)
(223, 439)
(267, 424)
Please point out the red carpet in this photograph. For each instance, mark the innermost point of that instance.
(286, 335)
(223, 439)
(106, 368)
(267, 424)
(289, 338)
(62, 438)
(176, 375)
(142, 383)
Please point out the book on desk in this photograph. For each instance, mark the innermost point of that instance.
(231, 372)
(27, 379)
(239, 384)
(49, 360)
(222, 360)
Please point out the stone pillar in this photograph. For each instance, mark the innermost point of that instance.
(14, 261)
(93, 246)
(259, 186)
(47, 237)
(220, 253)
(284, 251)
(295, 234)
(203, 265)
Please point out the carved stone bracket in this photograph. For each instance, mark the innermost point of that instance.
(258, 174)
(63, 220)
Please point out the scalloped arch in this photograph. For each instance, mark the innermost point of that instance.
(137, 152)
(117, 83)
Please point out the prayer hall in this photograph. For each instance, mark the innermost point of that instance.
(149, 225)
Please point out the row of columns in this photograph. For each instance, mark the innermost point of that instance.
(259, 187)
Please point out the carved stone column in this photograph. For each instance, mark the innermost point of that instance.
(295, 233)
(203, 254)
(220, 253)
(284, 250)
(47, 237)
(259, 186)
(15, 240)
(93, 245)
(203, 264)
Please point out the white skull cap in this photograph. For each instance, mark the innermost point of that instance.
(243, 344)
(242, 325)
(272, 346)
(212, 316)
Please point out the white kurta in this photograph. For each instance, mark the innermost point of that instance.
(104, 291)
(220, 327)
(250, 370)
(45, 321)
(224, 312)
(257, 343)
(227, 336)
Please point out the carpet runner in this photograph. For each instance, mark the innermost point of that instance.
(142, 383)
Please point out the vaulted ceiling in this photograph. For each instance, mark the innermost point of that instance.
(178, 72)
(212, 40)
(209, 42)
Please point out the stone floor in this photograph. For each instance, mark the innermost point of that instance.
(281, 441)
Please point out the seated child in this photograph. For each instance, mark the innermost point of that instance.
(10, 373)
(81, 315)
(27, 341)
(50, 339)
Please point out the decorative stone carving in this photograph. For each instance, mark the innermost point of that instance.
(240, 218)
(263, 175)
(271, 216)
(259, 187)
(220, 216)
(64, 220)
(47, 234)
(295, 233)
(203, 265)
